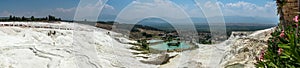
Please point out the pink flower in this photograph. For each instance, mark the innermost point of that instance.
(282, 34)
(279, 51)
(261, 56)
(296, 19)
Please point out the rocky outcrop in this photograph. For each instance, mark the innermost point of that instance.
(158, 60)
(192, 64)
(244, 50)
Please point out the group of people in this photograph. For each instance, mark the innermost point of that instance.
(35, 26)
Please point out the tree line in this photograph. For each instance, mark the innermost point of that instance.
(32, 18)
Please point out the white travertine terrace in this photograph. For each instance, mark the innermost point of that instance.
(29, 47)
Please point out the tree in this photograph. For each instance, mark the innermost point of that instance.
(144, 33)
(149, 35)
(10, 17)
(145, 45)
(59, 19)
(23, 18)
(45, 18)
(280, 4)
(14, 18)
(51, 18)
(32, 18)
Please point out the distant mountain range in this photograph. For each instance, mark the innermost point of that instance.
(228, 19)
(199, 20)
(233, 23)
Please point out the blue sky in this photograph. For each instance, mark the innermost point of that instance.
(66, 8)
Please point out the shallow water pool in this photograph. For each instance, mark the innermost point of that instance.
(164, 46)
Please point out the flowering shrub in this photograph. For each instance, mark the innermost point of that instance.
(283, 49)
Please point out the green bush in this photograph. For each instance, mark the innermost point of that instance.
(144, 44)
(283, 49)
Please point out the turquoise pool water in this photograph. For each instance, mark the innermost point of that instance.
(164, 46)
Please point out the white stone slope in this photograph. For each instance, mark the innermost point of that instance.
(90, 47)
(236, 52)
(83, 47)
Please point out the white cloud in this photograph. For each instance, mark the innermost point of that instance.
(90, 9)
(211, 5)
(240, 8)
(156, 8)
(209, 8)
(5, 13)
(163, 8)
(65, 10)
(195, 12)
(65, 13)
(108, 10)
(240, 4)
(249, 9)
(88, 13)
(109, 7)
